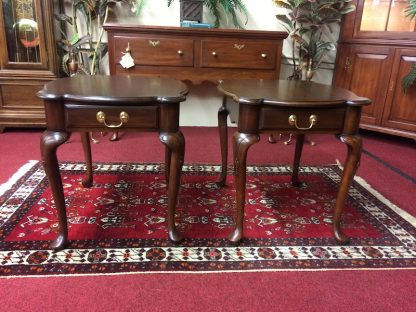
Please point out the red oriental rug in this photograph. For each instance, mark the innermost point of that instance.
(119, 225)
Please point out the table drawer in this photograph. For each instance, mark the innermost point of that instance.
(248, 54)
(278, 118)
(155, 51)
(81, 116)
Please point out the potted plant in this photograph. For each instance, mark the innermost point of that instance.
(190, 8)
(305, 21)
(81, 53)
(410, 78)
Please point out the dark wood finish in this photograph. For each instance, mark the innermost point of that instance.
(19, 82)
(400, 111)
(265, 106)
(194, 54)
(70, 104)
(372, 64)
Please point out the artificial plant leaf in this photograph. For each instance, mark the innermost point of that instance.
(63, 18)
(284, 19)
(299, 39)
(74, 39)
(409, 79)
(64, 66)
(283, 4)
(347, 9)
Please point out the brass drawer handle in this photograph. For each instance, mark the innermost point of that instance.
(312, 120)
(154, 43)
(180, 52)
(214, 54)
(124, 118)
(263, 55)
(239, 47)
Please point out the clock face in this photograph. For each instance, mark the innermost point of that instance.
(22, 31)
(27, 31)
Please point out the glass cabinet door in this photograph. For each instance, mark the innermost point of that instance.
(22, 34)
(384, 18)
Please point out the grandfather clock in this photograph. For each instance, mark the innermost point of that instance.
(28, 59)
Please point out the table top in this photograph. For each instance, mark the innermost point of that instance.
(289, 93)
(115, 89)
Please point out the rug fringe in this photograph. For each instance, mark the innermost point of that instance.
(206, 272)
(405, 215)
(22, 170)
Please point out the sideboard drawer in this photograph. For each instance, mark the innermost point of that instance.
(248, 54)
(81, 116)
(155, 51)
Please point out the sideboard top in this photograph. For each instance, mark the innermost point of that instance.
(130, 24)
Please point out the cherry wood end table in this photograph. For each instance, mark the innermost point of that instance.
(101, 103)
(283, 106)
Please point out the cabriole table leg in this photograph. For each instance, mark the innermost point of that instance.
(241, 144)
(223, 131)
(176, 144)
(352, 162)
(86, 146)
(49, 143)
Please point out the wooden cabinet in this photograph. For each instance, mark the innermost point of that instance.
(28, 60)
(194, 54)
(374, 54)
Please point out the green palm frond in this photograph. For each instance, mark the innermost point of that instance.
(409, 79)
(229, 7)
(411, 9)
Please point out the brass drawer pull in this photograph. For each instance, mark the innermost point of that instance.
(263, 55)
(180, 52)
(312, 120)
(124, 118)
(154, 43)
(214, 54)
(239, 47)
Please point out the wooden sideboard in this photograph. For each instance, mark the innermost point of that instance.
(193, 54)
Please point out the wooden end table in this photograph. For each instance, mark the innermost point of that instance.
(283, 106)
(100, 103)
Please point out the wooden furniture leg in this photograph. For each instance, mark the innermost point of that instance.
(176, 143)
(352, 162)
(49, 143)
(272, 139)
(86, 146)
(114, 136)
(300, 138)
(168, 156)
(241, 144)
(223, 131)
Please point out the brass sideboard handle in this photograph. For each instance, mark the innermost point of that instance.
(154, 43)
(124, 118)
(264, 55)
(312, 120)
(180, 52)
(214, 54)
(239, 46)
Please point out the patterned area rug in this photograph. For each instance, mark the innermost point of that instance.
(119, 225)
